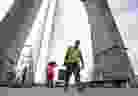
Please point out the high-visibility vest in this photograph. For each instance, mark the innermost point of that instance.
(72, 56)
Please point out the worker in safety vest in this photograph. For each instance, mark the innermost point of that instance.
(72, 63)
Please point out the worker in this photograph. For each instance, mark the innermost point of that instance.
(72, 63)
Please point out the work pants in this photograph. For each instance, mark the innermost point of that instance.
(75, 68)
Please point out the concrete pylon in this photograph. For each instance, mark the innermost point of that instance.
(105, 33)
(102, 25)
(16, 24)
(41, 64)
(15, 27)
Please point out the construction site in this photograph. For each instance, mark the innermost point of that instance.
(39, 32)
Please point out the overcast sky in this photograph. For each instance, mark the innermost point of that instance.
(5, 5)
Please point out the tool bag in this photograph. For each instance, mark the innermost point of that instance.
(61, 75)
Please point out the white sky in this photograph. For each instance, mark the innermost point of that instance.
(5, 5)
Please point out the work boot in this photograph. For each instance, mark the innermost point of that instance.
(65, 89)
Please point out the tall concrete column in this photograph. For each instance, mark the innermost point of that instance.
(16, 23)
(104, 33)
(14, 27)
(103, 27)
